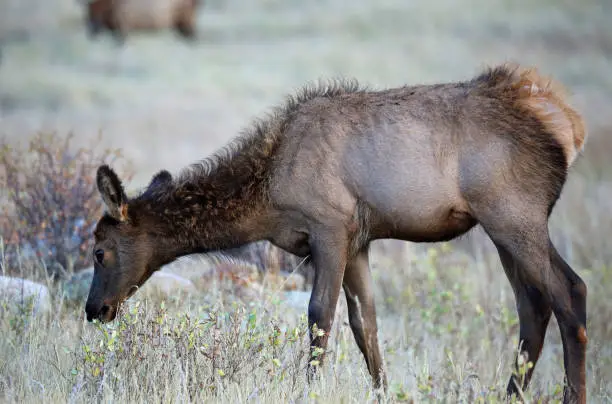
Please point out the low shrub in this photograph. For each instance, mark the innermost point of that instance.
(49, 202)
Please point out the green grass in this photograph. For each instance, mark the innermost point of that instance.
(447, 319)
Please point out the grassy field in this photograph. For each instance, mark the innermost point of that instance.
(447, 318)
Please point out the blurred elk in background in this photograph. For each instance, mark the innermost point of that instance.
(122, 16)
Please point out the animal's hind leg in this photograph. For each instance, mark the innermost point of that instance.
(119, 37)
(117, 28)
(523, 233)
(572, 317)
(185, 26)
(534, 315)
(94, 27)
(362, 314)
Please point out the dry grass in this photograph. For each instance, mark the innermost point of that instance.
(446, 312)
(447, 325)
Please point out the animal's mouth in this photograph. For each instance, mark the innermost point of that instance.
(107, 313)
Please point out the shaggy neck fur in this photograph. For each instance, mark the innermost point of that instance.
(208, 207)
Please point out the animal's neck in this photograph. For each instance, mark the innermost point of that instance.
(221, 202)
(208, 214)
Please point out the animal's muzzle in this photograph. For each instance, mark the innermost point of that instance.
(95, 311)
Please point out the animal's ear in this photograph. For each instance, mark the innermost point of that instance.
(112, 192)
(158, 184)
(160, 179)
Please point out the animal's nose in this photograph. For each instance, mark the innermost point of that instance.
(94, 311)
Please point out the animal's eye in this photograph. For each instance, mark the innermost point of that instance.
(99, 255)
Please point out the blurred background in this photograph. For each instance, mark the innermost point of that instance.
(167, 99)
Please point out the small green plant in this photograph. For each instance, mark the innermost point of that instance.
(400, 394)
(18, 316)
(210, 351)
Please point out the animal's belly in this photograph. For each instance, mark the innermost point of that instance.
(416, 207)
(440, 226)
(410, 183)
(142, 16)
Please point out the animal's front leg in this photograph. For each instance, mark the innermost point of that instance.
(329, 256)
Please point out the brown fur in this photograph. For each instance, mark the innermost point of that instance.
(338, 166)
(582, 335)
(545, 98)
(122, 16)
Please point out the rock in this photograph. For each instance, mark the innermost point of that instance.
(193, 267)
(200, 272)
(288, 282)
(167, 284)
(160, 283)
(295, 281)
(250, 292)
(231, 276)
(297, 299)
(77, 287)
(22, 294)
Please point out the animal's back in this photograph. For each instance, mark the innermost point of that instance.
(388, 150)
(413, 154)
(149, 14)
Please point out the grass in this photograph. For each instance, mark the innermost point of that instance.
(447, 320)
(448, 329)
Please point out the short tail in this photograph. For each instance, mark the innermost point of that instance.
(546, 99)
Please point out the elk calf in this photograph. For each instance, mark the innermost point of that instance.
(338, 166)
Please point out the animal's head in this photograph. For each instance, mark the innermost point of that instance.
(124, 253)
